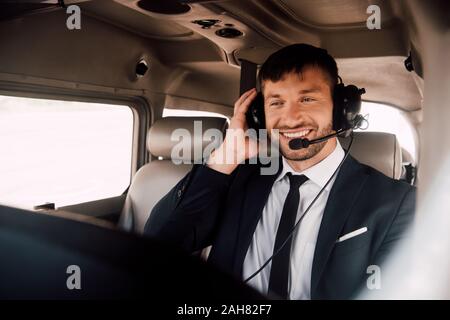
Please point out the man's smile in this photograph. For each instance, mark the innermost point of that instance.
(303, 132)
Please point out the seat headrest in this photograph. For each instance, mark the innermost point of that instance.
(377, 149)
(160, 141)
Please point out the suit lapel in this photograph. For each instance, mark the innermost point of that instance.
(257, 192)
(344, 192)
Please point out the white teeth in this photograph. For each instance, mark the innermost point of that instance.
(297, 134)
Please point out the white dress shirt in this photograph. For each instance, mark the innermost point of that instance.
(305, 237)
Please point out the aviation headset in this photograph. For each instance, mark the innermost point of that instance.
(346, 106)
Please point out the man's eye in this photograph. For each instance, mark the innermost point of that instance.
(308, 99)
(275, 104)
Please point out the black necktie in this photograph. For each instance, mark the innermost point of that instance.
(279, 272)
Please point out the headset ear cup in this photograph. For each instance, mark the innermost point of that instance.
(347, 105)
(338, 107)
(259, 102)
(352, 104)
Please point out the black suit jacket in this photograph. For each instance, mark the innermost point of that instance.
(210, 208)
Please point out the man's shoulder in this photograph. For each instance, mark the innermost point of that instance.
(382, 199)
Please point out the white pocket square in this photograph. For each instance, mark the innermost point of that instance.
(352, 234)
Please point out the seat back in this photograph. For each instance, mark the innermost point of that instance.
(171, 140)
(379, 150)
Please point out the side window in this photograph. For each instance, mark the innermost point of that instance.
(383, 118)
(63, 152)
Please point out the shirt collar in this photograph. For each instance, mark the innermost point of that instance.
(320, 172)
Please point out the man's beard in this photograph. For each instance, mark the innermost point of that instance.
(307, 153)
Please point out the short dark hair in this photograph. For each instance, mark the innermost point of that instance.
(294, 58)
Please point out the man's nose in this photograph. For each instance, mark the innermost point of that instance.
(292, 113)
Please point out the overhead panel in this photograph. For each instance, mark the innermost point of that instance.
(328, 13)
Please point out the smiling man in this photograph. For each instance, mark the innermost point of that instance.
(248, 218)
(300, 105)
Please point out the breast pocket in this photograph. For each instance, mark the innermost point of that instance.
(352, 244)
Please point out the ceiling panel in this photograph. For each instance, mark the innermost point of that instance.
(331, 13)
(9, 10)
(135, 21)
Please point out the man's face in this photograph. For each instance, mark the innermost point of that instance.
(299, 106)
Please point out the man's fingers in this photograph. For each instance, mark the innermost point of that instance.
(245, 95)
(242, 99)
(245, 103)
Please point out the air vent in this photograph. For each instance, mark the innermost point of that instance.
(206, 23)
(163, 6)
(141, 68)
(229, 33)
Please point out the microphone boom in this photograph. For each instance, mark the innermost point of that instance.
(300, 143)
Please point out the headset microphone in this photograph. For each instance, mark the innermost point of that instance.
(300, 143)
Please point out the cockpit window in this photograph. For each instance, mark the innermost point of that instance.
(383, 118)
(63, 152)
